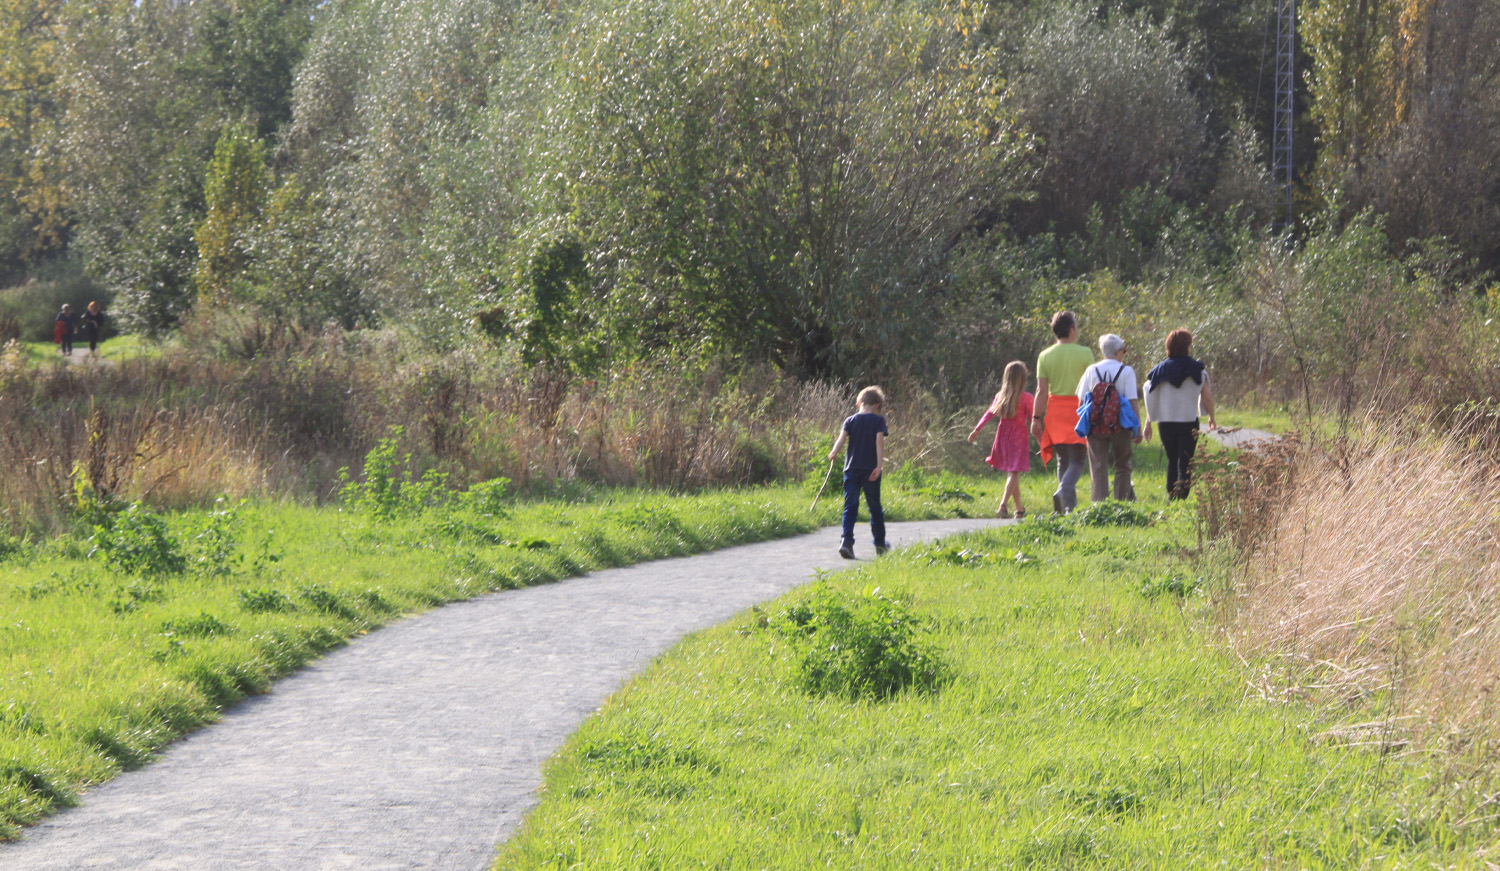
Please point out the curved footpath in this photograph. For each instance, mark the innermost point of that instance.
(421, 745)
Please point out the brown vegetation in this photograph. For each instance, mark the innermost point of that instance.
(1369, 578)
(278, 414)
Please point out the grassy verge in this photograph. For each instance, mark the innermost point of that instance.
(1081, 719)
(111, 647)
(115, 643)
(114, 349)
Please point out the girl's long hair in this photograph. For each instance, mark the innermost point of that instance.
(1012, 385)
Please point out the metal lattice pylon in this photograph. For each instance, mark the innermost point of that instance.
(1286, 83)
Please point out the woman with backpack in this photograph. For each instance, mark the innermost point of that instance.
(1176, 388)
(1108, 385)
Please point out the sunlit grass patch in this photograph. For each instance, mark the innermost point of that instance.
(139, 626)
(1086, 720)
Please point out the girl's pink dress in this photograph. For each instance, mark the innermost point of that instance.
(1012, 449)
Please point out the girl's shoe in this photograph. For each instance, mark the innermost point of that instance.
(1020, 513)
(1003, 513)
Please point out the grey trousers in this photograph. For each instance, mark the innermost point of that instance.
(1070, 461)
(1107, 450)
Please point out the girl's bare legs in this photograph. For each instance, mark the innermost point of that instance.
(1012, 490)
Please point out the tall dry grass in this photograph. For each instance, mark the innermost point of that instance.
(279, 414)
(1371, 579)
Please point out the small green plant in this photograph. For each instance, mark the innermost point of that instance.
(267, 556)
(11, 546)
(136, 542)
(958, 555)
(1173, 584)
(215, 541)
(1110, 513)
(265, 601)
(320, 598)
(383, 493)
(859, 646)
(205, 625)
(135, 594)
(487, 498)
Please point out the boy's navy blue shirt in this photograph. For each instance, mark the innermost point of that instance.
(862, 428)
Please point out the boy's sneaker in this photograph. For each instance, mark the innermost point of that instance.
(846, 551)
(882, 549)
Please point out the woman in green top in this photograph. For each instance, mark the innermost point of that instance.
(1055, 416)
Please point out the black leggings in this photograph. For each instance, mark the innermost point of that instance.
(1179, 440)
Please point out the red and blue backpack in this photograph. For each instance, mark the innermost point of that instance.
(1104, 407)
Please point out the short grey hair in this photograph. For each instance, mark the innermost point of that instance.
(1110, 345)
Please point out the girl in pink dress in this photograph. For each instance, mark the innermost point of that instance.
(1012, 451)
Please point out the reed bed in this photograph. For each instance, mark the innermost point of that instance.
(280, 416)
(1371, 579)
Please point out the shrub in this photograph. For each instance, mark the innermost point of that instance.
(264, 601)
(136, 542)
(215, 541)
(1110, 513)
(864, 645)
(205, 625)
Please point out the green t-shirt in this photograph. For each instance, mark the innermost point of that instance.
(1063, 366)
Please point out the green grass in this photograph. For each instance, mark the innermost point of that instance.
(1088, 719)
(115, 349)
(105, 659)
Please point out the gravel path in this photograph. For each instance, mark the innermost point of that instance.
(1239, 437)
(421, 745)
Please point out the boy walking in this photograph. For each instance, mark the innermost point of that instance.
(865, 432)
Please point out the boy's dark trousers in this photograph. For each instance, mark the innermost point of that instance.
(855, 481)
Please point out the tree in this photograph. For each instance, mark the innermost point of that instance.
(384, 112)
(1411, 115)
(147, 86)
(1110, 100)
(32, 221)
(234, 191)
(770, 178)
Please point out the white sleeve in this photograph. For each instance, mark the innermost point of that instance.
(1087, 382)
(1127, 385)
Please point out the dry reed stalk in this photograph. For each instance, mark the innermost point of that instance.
(1382, 576)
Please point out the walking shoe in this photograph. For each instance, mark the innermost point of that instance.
(1057, 506)
(846, 551)
(1020, 513)
(1003, 513)
(882, 549)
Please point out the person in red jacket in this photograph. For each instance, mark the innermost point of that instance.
(62, 330)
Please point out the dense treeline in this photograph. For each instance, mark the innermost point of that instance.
(836, 187)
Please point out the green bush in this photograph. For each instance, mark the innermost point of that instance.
(265, 601)
(1110, 513)
(391, 487)
(859, 646)
(136, 542)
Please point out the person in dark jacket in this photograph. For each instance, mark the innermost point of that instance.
(93, 326)
(62, 330)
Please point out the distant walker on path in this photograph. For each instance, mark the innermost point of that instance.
(93, 326)
(1175, 390)
(865, 432)
(62, 330)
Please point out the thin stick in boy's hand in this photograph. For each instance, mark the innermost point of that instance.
(831, 464)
